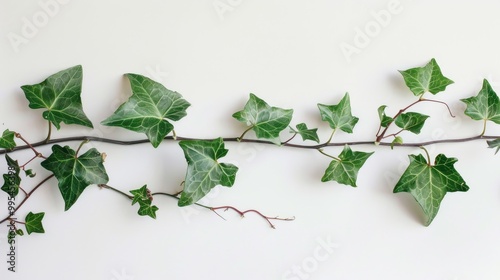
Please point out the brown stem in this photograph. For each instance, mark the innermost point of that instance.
(28, 145)
(242, 214)
(381, 135)
(26, 198)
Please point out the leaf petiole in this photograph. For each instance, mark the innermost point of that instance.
(330, 156)
(244, 132)
(427, 153)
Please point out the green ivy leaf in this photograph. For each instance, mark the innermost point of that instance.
(7, 140)
(148, 109)
(146, 209)
(494, 144)
(74, 173)
(29, 173)
(384, 119)
(485, 105)
(267, 122)
(60, 95)
(306, 133)
(12, 180)
(145, 200)
(204, 172)
(426, 79)
(397, 141)
(140, 194)
(34, 222)
(345, 170)
(19, 232)
(339, 116)
(428, 184)
(412, 122)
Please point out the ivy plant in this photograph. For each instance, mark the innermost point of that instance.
(152, 108)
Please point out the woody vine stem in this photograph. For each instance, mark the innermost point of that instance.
(152, 108)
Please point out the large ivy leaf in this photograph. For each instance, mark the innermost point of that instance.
(148, 109)
(428, 184)
(306, 133)
(204, 172)
(7, 140)
(60, 95)
(426, 79)
(74, 173)
(34, 222)
(12, 181)
(485, 105)
(345, 170)
(339, 116)
(145, 199)
(411, 121)
(267, 122)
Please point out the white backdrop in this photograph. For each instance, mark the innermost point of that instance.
(292, 54)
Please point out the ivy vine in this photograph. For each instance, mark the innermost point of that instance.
(152, 109)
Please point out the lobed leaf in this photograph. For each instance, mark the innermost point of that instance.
(34, 222)
(339, 116)
(60, 95)
(426, 79)
(411, 121)
(204, 172)
(148, 109)
(145, 200)
(7, 140)
(485, 105)
(345, 171)
(428, 184)
(267, 122)
(75, 173)
(12, 180)
(306, 133)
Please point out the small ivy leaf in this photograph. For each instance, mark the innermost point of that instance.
(397, 140)
(146, 209)
(29, 173)
(75, 173)
(485, 105)
(60, 95)
(412, 122)
(384, 119)
(34, 222)
(204, 172)
(7, 140)
(428, 184)
(144, 198)
(494, 144)
(339, 116)
(140, 194)
(148, 109)
(19, 232)
(346, 170)
(12, 180)
(426, 79)
(267, 122)
(306, 133)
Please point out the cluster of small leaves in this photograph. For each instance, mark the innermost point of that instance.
(145, 199)
(152, 107)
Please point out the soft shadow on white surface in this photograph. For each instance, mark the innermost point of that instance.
(290, 54)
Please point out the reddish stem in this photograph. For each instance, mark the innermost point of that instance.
(242, 214)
